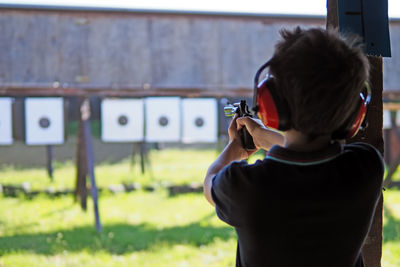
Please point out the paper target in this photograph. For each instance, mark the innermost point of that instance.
(122, 120)
(199, 120)
(44, 121)
(6, 121)
(398, 118)
(163, 119)
(387, 124)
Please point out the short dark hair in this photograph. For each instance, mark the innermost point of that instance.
(320, 75)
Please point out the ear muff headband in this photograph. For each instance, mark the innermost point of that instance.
(275, 114)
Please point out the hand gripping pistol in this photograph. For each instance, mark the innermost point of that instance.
(243, 111)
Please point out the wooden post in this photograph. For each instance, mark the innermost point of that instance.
(332, 18)
(81, 161)
(372, 250)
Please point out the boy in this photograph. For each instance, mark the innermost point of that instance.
(310, 202)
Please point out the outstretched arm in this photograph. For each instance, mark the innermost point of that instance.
(233, 151)
(263, 137)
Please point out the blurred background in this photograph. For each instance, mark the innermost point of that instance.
(127, 98)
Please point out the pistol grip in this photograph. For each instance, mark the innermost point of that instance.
(247, 139)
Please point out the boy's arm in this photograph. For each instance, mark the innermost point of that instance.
(229, 154)
(263, 137)
(233, 151)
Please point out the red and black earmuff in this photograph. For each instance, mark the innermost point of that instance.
(358, 120)
(274, 112)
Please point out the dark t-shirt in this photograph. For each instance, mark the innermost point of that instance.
(301, 209)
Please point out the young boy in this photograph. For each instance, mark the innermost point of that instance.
(310, 202)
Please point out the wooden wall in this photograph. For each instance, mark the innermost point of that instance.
(136, 50)
(119, 50)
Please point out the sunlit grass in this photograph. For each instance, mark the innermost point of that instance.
(391, 229)
(139, 228)
(166, 167)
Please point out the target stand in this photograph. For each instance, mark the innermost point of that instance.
(44, 125)
(122, 121)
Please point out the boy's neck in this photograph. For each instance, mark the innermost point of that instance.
(298, 141)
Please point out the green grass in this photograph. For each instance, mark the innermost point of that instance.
(167, 166)
(391, 229)
(170, 166)
(139, 228)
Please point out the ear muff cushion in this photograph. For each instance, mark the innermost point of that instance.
(353, 125)
(359, 119)
(272, 111)
(267, 110)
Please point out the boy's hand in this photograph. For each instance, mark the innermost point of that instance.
(235, 142)
(263, 137)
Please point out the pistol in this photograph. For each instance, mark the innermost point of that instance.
(242, 109)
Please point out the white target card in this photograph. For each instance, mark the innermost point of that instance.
(397, 118)
(122, 120)
(199, 120)
(163, 119)
(44, 121)
(387, 124)
(6, 121)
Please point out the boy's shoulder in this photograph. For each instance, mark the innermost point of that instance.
(365, 151)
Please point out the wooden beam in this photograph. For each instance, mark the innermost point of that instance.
(127, 91)
(372, 249)
(391, 106)
(332, 20)
(391, 95)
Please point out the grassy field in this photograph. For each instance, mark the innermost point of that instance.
(139, 228)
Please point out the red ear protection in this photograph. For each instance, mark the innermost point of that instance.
(269, 106)
(275, 113)
(358, 121)
(272, 111)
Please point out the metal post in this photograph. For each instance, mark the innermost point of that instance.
(85, 111)
(49, 150)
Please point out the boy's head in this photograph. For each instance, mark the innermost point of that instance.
(320, 75)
